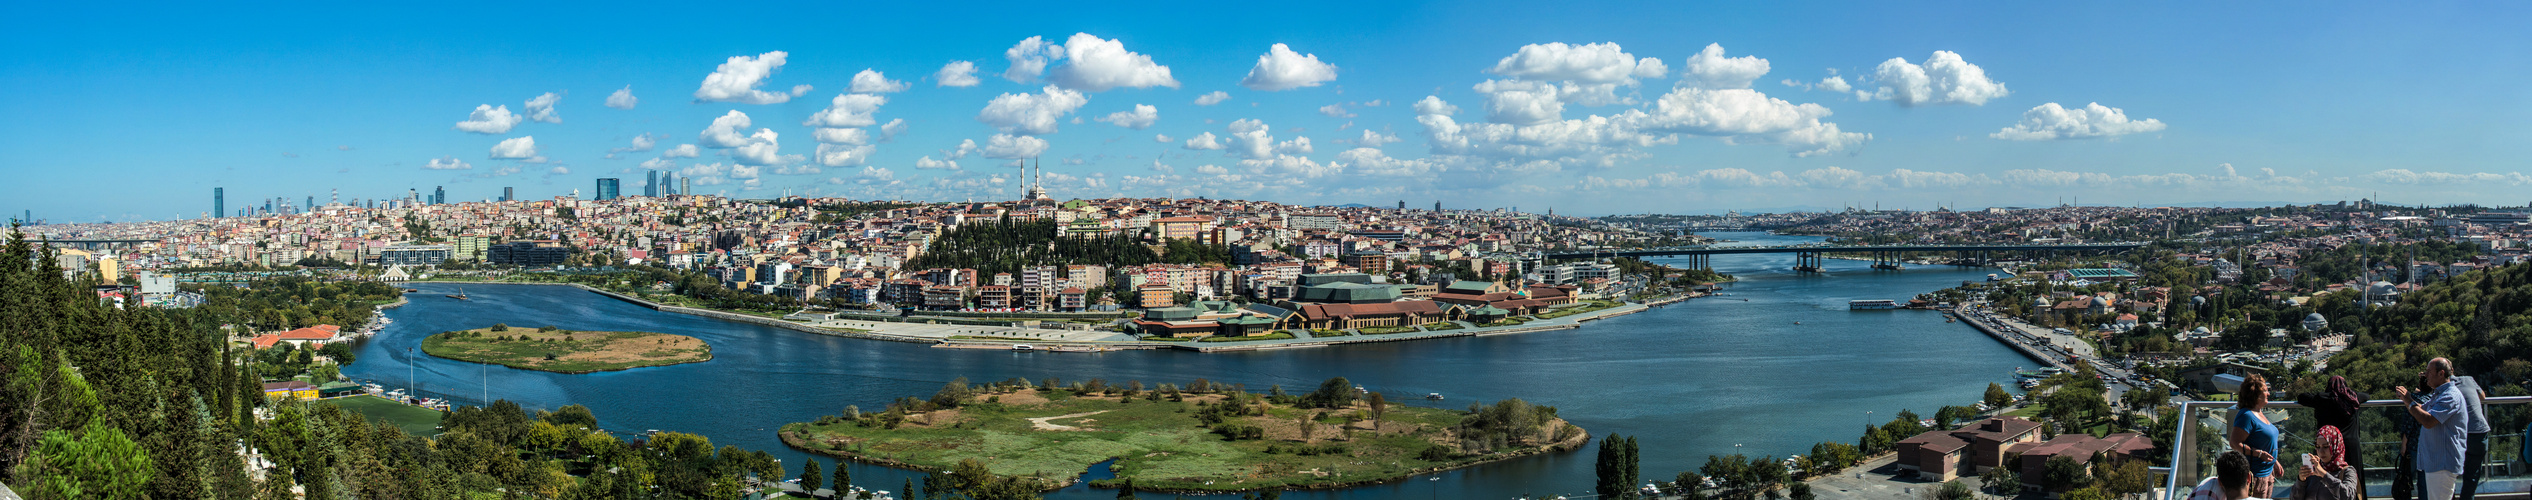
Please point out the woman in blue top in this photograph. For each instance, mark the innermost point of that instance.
(2254, 436)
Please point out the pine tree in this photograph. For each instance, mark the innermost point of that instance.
(811, 479)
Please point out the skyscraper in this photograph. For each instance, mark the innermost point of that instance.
(668, 184)
(219, 202)
(686, 186)
(508, 194)
(607, 188)
(439, 195)
(650, 186)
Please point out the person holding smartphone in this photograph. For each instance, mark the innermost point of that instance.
(2441, 437)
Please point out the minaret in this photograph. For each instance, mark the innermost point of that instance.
(1036, 181)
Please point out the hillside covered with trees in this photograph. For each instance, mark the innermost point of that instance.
(1006, 246)
(97, 402)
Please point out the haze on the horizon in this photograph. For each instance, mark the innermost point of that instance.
(129, 113)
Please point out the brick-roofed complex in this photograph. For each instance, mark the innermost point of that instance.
(1969, 450)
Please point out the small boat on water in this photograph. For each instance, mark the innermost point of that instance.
(460, 295)
(1436, 396)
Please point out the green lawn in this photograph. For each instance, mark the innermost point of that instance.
(1158, 444)
(567, 351)
(1441, 325)
(1385, 330)
(414, 420)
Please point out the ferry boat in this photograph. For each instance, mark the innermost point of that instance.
(1436, 396)
(1871, 305)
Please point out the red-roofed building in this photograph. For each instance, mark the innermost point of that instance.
(1968, 450)
(2078, 446)
(1344, 316)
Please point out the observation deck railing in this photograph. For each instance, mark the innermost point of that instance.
(2204, 426)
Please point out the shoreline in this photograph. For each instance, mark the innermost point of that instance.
(1564, 323)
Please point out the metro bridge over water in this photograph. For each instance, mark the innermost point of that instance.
(1808, 258)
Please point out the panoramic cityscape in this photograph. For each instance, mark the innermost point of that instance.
(1330, 251)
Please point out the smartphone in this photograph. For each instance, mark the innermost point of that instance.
(2307, 460)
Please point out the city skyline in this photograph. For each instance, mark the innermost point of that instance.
(1606, 108)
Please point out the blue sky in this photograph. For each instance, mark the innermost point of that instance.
(136, 112)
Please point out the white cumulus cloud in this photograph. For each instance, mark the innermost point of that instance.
(2051, 121)
(623, 98)
(1944, 79)
(728, 131)
(490, 119)
(681, 151)
(1282, 69)
(447, 163)
(736, 80)
(1335, 111)
(762, 148)
(1097, 65)
(1012, 147)
(541, 108)
(1140, 118)
(1747, 115)
(1591, 63)
(515, 148)
(848, 110)
(871, 81)
(927, 163)
(1712, 70)
(1212, 98)
(956, 74)
(1027, 113)
(1203, 141)
(1028, 59)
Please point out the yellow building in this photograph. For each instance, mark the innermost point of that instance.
(289, 390)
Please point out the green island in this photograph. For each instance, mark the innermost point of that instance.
(566, 351)
(1199, 438)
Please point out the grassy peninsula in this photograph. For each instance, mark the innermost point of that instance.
(566, 351)
(1202, 437)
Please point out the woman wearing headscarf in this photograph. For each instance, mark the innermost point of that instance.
(2337, 406)
(2325, 476)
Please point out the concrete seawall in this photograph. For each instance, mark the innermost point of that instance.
(2009, 340)
(752, 319)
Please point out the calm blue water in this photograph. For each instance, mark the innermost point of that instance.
(1705, 377)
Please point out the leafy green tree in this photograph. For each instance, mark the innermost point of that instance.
(2064, 473)
(1997, 397)
(1951, 490)
(1334, 393)
(812, 478)
(2003, 480)
(98, 461)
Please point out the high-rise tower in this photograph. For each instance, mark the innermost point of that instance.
(219, 202)
(607, 188)
(509, 194)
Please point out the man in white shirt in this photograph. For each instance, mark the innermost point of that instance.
(2232, 480)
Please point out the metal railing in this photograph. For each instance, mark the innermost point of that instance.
(2204, 426)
